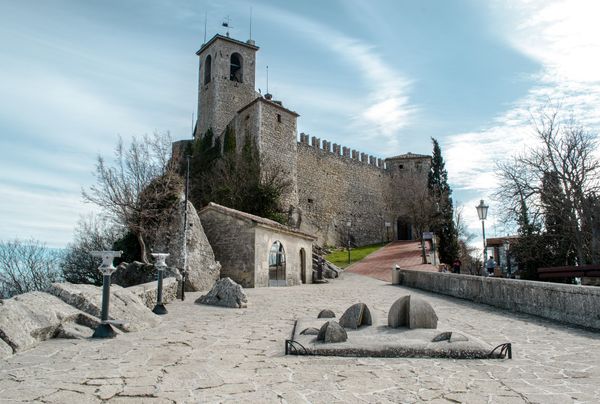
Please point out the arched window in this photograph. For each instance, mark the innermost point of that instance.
(207, 69)
(235, 69)
(277, 265)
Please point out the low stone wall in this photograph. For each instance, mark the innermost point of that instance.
(572, 304)
(147, 291)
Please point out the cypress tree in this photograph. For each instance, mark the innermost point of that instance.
(443, 223)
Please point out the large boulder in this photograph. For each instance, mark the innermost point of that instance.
(125, 305)
(331, 331)
(134, 273)
(28, 319)
(203, 269)
(225, 293)
(355, 316)
(5, 349)
(412, 312)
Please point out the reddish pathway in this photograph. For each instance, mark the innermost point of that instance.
(379, 265)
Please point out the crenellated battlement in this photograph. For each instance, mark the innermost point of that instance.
(342, 151)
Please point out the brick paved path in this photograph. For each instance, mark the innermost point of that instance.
(210, 354)
(379, 265)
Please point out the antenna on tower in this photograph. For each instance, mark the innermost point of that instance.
(250, 41)
(268, 96)
(205, 15)
(226, 25)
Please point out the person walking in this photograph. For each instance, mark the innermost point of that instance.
(490, 265)
(456, 266)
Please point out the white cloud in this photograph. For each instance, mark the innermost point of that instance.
(386, 108)
(564, 37)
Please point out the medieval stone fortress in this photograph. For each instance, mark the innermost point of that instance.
(331, 185)
(429, 336)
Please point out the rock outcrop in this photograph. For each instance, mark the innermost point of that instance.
(203, 269)
(412, 312)
(225, 293)
(124, 304)
(28, 319)
(147, 292)
(355, 316)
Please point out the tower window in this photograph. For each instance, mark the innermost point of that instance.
(279, 118)
(235, 69)
(401, 166)
(207, 69)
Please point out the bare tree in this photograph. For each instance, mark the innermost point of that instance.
(419, 205)
(91, 234)
(26, 266)
(548, 188)
(139, 188)
(467, 254)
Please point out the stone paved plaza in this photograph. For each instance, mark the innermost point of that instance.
(211, 354)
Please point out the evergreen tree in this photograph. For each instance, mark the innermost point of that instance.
(443, 223)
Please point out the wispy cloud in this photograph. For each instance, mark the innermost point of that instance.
(386, 108)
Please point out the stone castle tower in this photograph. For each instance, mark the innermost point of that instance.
(225, 81)
(332, 185)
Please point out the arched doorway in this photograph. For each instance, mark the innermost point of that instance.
(303, 265)
(277, 265)
(404, 229)
(235, 68)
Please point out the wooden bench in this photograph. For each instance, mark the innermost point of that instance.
(569, 272)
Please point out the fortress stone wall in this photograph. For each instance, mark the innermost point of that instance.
(333, 190)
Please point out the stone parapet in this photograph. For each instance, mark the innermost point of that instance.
(571, 304)
(340, 151)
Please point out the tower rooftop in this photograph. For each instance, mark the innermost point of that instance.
(228, 39)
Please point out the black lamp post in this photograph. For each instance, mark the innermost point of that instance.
(482, 210)
(105, 330)
(507, 254)
(160, 265)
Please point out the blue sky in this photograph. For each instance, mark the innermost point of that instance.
(379, 76)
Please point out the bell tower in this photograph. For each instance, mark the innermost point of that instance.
(225, 82)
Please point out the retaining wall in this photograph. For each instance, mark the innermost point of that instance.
(572, 304)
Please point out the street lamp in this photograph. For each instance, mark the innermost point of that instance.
(348, 224)
(482, 210)
(506, 253)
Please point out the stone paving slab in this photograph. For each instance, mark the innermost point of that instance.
(202, 353)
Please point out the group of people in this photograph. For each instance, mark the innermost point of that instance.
(490, 266)
(455, 267)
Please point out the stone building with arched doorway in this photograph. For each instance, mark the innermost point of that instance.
(256, 252)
